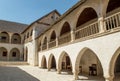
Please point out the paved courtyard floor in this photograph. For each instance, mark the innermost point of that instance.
(30, 73)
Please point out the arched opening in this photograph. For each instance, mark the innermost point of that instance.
(89, 65)
(4, 37)
(52, 42)
(31, 33)
(65, 29)
(113, 5)
(43, 63)
(44, 46)
(52, 62)
(53, 36)
(115, 65)
(14, 55)
(16, 39)
(28, 35)
(3, 54)
(65, 64)
(65, 35)
(87, 15)
(87, 23)
(117, 69)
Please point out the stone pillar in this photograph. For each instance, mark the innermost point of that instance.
(47, 45)
(59, 71)
(35, 54)
(101, 24)
(56, 41)
(110, 78)
(10, 37)
(72, 35)
(48, 68)
(8, 55)
(75, 74)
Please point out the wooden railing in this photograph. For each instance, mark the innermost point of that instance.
(64, 38)
(44, 46)
(112, 21)
(87, 31)
(52, 44)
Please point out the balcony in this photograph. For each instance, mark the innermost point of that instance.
(52, 44)
(44, 47)
(64, 38)
(113, 21)
(110, 23)
(87, 31)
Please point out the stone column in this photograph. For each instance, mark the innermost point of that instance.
(10, 37)
(56, 41)
(75, 74)
(8, 55)
(47, 45)
(101, 24)
(72, 35)
(35, 54)
(59, 71)
(110, 78)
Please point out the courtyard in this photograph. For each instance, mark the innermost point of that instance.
(30, 73)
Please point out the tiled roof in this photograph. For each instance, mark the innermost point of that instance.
(14, 27)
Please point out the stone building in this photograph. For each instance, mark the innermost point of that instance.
(85, 40)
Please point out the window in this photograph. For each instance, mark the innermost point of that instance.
(4, 54)
(14, 54)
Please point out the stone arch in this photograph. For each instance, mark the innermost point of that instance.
(16, 38)
(65, 28)
(64, 62)
(112, 5)
(3, 54)
(4, 37)
(14, 54)
(28, 35)
(44, 43)
(113, 62)
(44, 40)
(91, 59)
(52, 62)
(52, 36)
(88, 15)
(44, 62)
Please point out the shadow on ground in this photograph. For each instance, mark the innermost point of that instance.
(9, 73)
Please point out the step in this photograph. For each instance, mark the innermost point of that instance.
(4, 63)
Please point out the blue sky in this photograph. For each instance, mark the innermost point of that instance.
(27, 11)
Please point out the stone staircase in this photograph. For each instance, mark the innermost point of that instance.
(8, 63)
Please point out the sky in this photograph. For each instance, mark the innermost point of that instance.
(27, 11)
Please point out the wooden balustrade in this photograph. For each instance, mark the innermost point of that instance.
(52, 44)
(64, 38)
(87, 31)
(112, 21)
(44, 47)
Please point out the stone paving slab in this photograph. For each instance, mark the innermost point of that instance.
(30, 73)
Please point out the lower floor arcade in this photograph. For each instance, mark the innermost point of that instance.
(92, 58)
(10, 55)
(88, 67)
